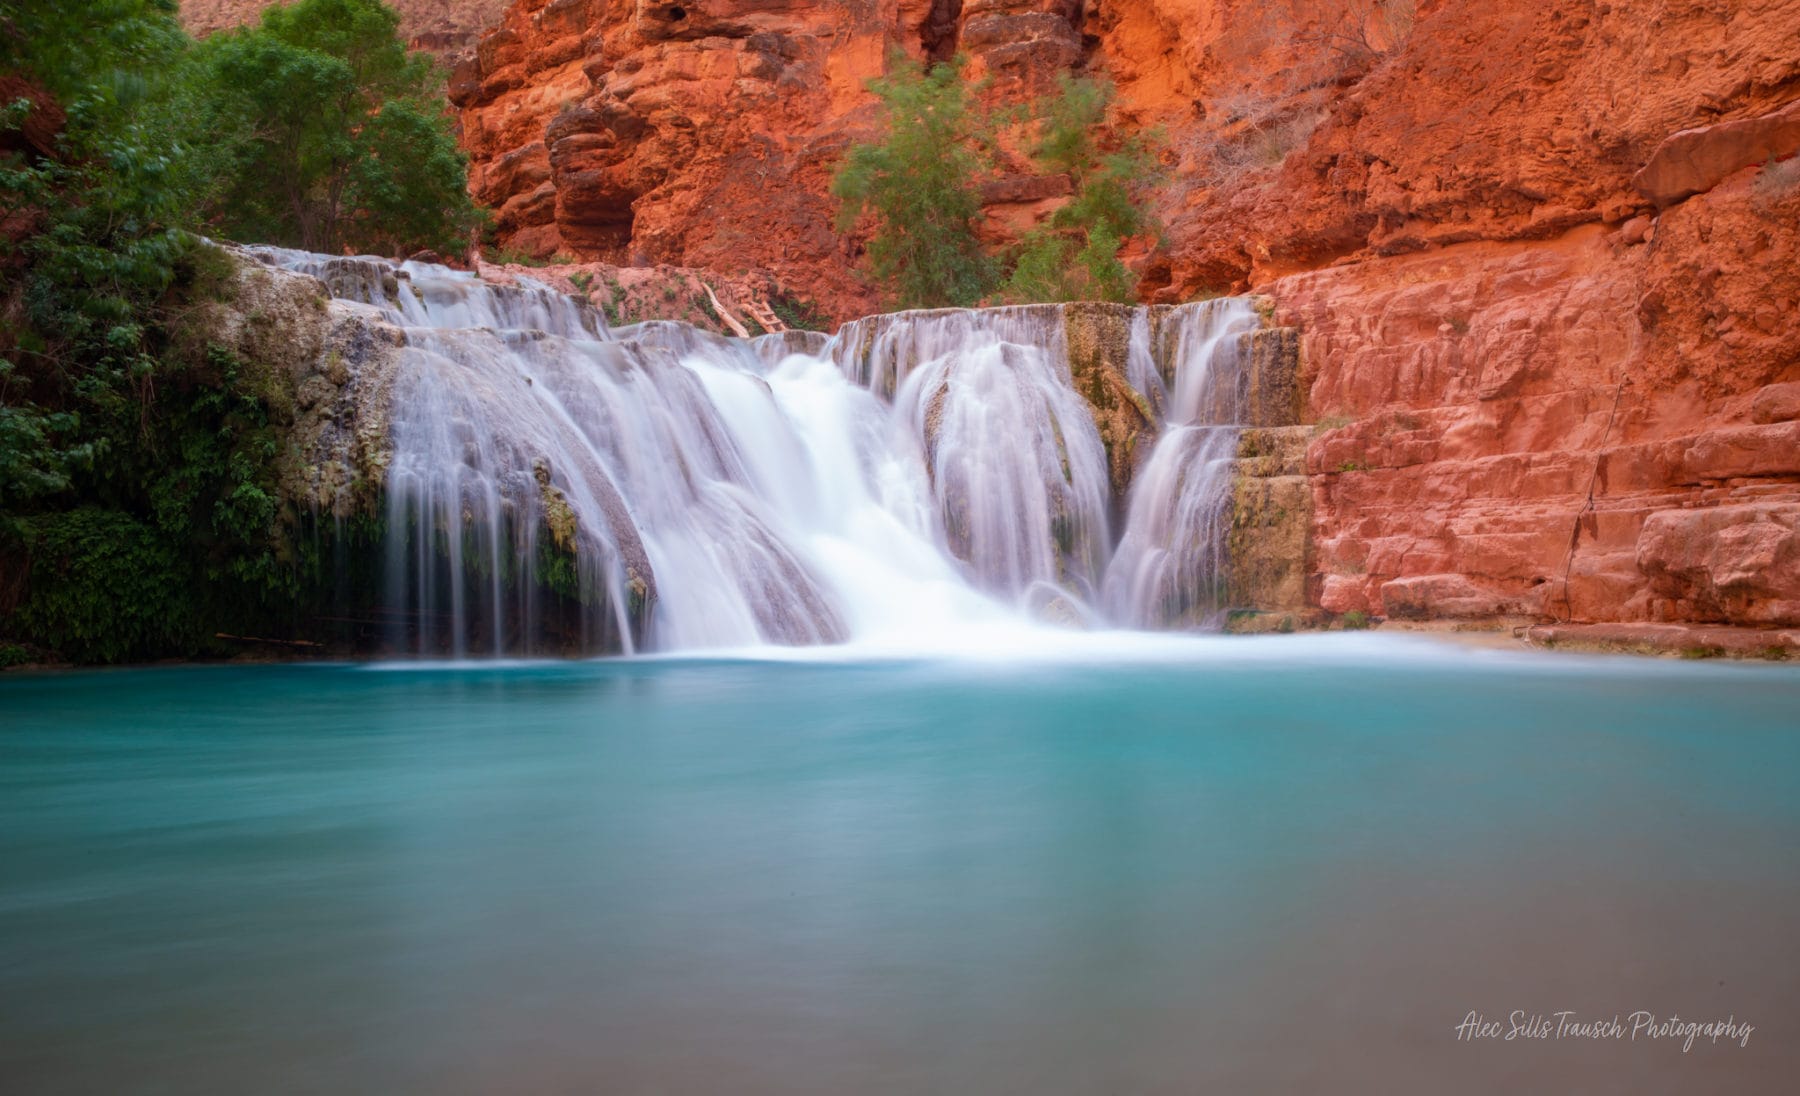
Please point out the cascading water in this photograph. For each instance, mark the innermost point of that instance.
(1170, 564)
(552, 484)
(1016, 469)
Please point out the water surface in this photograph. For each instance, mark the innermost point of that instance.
(1239, 866)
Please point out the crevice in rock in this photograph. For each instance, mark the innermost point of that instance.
(940, 34)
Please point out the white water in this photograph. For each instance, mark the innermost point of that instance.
(923, 479)
(1170, 565)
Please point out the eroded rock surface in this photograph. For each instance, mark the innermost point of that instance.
(1541, 256)
(705, 134)
(1582, 428)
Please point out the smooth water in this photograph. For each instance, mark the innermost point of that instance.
(1203, 865)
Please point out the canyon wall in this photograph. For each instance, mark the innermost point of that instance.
(1544, 264)
(1540, 257)
(1597, 427)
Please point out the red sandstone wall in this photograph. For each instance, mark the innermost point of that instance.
(1492, 389)
(1541, 252)
(1536, 357)
(1505, 285)
(705, 133)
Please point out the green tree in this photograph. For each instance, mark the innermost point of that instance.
(339, 133)
(139, 471)
(919, 185)
(1075, 255)
(90, 202)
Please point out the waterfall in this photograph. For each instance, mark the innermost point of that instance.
(556, 485)
(1170, 566)
(1016, 470)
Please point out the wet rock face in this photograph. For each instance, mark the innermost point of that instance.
(1270, 539)
(338, 359)
(1098, 338)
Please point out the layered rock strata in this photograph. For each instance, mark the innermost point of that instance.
(705, 134)
(1600, 427)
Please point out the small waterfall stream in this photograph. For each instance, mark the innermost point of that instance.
(1170, 566)
(556, 485)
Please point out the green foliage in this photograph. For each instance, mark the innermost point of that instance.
(178, 524)
(919, 186)
(1058, 265)
(102, 201)
(1355, 620)
(1075, 256)
(139, 468)
(1067, 124)
(34, 461)
(704, 300)
(614, 305)
(506, 256)
(798, 314)
(336, 134)
(104, 587)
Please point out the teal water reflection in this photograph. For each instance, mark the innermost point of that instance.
(1226, 871)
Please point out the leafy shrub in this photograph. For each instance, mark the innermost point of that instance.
(336, 134)
(140, 469)
(799, 314)
(1075, 256)
(105, 586)
(918, 184)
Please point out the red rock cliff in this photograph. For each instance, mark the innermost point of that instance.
(1543, 258)
(1542, 255)
(705, 133)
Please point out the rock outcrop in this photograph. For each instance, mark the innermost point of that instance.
(1696, 160)
(448, 28)
(1600, 427)
(337, 359)
(1540, 256)
(1486, 121)
(705, 134)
